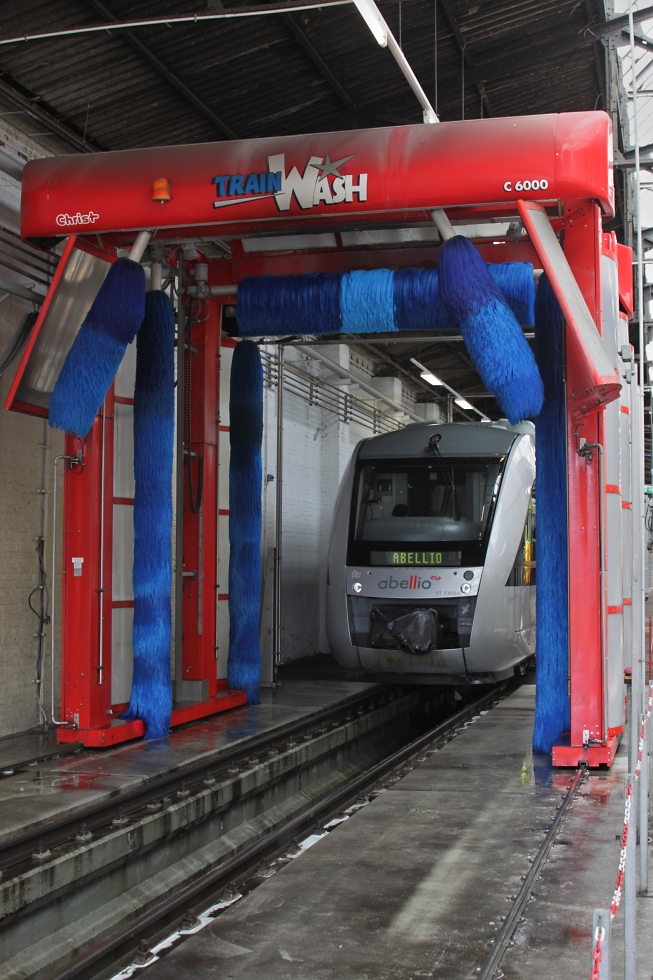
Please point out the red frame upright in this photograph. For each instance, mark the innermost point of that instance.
(87, 711)
(587, 611)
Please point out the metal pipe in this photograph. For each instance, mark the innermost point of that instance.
(344, 373)
(43, 718)
(428, 112)
(101, 590)
(53, 585)
(278, 527)
(127, 25)
(601, 922)
(639, 486)
(140, 244)
(179, 482)
(643, 812)
(638, 210)
(604, 610)
(630, 894)
(637, 482)
(156, 276)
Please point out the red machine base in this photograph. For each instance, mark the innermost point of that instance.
(124, 731)
(571, 756)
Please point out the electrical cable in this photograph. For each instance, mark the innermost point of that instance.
(43, 617)
(195, 502)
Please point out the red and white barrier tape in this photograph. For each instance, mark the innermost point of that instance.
(597, 953)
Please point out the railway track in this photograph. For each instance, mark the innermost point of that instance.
(159, 791)
(180, 912)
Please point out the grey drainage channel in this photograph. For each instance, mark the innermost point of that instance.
(491, 971)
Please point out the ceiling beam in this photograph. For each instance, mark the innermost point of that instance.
(13, 93)
(300, 35)
(462, 44)
(170, 76)
(599, 62)
(565, 43)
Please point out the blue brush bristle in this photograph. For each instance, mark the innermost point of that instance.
(360, 302)
(273, 306)
(95, 356)
(154, 411)
(367, 302)
(493, 337)
(517, 286)
(245, 479)
(417, 301)
(552, 708)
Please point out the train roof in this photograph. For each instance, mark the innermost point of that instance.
(456, 439)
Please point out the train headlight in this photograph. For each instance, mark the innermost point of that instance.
(465, 588)
(356, 574)
(358, 587)
(469, 575)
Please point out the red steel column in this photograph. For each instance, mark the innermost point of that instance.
(582, 245)
(86, 692)
(200, 529)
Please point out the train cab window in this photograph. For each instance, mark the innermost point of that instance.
(445, 503)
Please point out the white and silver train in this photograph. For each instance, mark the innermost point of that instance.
(431, 568)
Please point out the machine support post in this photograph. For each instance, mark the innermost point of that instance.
(643, 813)
(278, 528)
(601, 929)
(179, 481)
(630, 890)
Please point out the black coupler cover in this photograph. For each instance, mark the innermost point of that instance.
(415, 630)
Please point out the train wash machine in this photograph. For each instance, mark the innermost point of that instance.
(222, 218)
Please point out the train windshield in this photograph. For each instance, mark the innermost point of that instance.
(423, 512)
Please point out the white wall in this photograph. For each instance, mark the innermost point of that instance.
(27, 450)
(316, 449)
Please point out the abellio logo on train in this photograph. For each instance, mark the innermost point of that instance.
(321, 183)
(413, 582)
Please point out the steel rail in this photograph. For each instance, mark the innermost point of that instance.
(213, 880)
(490, 969)
(59, 831)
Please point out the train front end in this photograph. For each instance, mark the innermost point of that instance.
(431, 569)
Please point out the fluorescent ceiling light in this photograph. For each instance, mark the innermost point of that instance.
(463, 403)
(372, 17)
(431, 378)
(427, 375)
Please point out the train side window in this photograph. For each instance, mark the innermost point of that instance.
(523, 569)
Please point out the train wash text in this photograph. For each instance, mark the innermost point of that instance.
(320, 183)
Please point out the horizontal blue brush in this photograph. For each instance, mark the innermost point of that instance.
(379, 301)
(367, 301)
(98, 349)
(245, 483)
(154, 423)
(271, 306)
(493, 337)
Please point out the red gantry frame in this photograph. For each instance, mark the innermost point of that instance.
(552, 171)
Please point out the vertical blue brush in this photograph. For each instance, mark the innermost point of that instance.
(245, 479)
(552, 709)
(154, 422)
(494, 339)
(97, 350)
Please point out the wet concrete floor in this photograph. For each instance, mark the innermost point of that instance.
(59, 787)
(416, 883)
